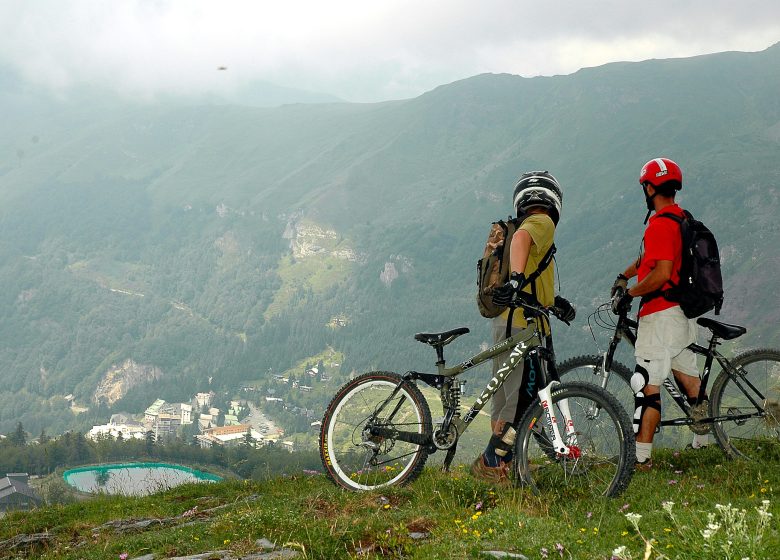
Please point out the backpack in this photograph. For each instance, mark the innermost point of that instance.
(493, 268)
(701, 284)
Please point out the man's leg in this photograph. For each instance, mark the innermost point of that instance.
(647, 413)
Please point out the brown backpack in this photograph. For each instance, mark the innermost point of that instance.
(493, 268)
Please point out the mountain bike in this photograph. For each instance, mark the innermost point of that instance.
(378, 431)
(744, 407)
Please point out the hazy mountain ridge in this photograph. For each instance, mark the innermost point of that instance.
(190, 205)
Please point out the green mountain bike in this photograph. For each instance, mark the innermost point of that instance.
(377, 431)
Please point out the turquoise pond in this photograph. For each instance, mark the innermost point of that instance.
(133, 479)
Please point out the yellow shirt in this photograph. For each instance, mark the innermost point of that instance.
(541, 228)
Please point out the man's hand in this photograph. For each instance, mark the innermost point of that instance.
(563, 310)
(621, 302)
(508, 293)
(620, 285)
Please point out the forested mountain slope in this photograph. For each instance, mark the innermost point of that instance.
(227, 241)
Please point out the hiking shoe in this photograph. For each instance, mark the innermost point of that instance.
(496, 475)
(698, 412)
(643, 466)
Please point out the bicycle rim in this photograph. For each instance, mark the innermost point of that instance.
(355, 459)
(756, 437)
(603, 461)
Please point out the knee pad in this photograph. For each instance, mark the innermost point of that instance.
(641, 401)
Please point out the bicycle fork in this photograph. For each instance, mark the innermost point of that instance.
(558, 443)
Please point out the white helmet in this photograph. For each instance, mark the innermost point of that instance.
(538, 188)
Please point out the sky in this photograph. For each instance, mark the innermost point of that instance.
(359, 51)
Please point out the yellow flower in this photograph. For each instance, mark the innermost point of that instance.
(387, 506)
(763, 490)
(624, 533)
(667, 530)
(582, 529)
(595, 530)
(226, 541)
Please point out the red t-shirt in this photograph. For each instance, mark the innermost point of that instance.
(662, 242)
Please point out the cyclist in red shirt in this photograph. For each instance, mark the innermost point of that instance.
(664, 331)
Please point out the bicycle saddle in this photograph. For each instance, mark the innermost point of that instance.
(441, 339)
(722, 330)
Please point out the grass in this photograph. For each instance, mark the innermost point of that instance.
(458, 515)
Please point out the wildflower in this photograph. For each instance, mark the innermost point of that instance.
(226, 541)
(544, 552)
(582, 529)
(589, 515)
(667, 506)
(700, 486)
(677, 472)
(386, 506)
(618, 553)
(624, 533)
(624, 508)
(478, 506)
(667, 530)
(123, 556)
(634, 518)
(672, 482)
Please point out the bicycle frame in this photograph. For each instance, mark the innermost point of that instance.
(626, 329)
(525, 344)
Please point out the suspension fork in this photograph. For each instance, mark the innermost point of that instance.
(545, 399)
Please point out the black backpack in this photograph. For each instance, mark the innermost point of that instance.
(701, 285)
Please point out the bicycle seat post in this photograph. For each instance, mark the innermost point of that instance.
(439, 354)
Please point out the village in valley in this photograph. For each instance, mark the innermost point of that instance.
(208, 420)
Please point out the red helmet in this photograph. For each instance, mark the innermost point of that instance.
(660, 170)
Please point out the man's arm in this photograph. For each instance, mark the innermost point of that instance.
(655, 279)
(519, 251)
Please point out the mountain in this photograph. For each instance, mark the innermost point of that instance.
(223, 241)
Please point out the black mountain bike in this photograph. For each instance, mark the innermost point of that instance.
(377, 431)
(744, 405)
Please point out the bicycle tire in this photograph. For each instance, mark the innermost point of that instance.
(605, 471)
(752, 438)
(355, 460)
(587, 368)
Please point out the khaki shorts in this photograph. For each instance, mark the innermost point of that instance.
(661, 344)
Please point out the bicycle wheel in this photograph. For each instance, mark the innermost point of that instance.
(602, 459)
(588, 368)
(357, 460)
(757, 437)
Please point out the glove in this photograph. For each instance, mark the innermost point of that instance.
(563, 310)
(507, 294)
(621, 302)
(621, 284)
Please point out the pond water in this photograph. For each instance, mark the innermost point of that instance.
(133, 479)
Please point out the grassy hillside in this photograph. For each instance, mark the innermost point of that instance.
(438, 516)
(171, 234)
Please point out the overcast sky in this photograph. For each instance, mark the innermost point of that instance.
(361, 50)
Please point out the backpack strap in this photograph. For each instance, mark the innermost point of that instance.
(531, 279)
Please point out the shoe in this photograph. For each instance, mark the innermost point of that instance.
(496, 475)
(690, 447)
(643, 466)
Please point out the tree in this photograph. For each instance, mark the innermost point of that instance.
(19, 437)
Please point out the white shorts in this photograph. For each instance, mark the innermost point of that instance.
(661, 344)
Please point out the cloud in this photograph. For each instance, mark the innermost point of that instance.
(358, 50)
